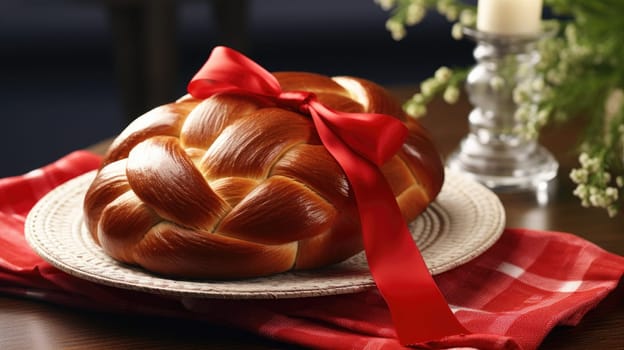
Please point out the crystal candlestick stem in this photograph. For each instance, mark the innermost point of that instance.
(494, 152)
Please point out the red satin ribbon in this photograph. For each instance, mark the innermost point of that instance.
(360, 143)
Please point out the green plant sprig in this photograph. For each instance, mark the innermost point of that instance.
(580, 74)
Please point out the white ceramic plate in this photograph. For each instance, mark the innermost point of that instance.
(463, 222)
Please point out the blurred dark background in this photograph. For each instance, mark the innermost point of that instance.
(75, 72)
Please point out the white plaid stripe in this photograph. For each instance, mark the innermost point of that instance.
(541, 282)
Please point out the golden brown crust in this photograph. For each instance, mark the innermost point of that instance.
(233, 187)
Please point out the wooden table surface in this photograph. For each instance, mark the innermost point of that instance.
(26, 324)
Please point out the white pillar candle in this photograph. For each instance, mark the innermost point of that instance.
(509, 17)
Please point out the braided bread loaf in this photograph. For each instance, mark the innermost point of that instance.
(231, 187)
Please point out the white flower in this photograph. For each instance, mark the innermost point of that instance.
(571, 33)
(428, 87)
(581, 191)
(443, 5)
(385, 4)
(457, 31)
(467, 17)
(418, 98)
(416, 110)
(452, 12)
(589, 163)
(443, 74)
(521, 94)
(611, 193)
(451, 94)
(542, 117)
(537, 85)
(612, 210)
(597, 200)
(449, 9)
(522, 114)
(396, 29)
(579, 176)
(415, 14)
(526, 131)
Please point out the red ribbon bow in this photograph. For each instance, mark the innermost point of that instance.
(360, 143)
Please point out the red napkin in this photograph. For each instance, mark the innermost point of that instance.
(509, 298)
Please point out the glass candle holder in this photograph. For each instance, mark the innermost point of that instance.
(495, 152)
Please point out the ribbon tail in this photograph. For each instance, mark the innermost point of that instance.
(360, 143)
(419, 311)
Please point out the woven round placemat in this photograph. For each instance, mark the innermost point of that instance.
(463, 222)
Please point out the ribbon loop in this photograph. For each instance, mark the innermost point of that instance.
(360, 143)
(227, 70)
